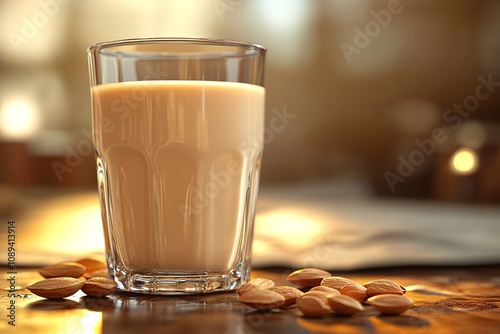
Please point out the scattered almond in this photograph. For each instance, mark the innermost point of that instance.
(99, 287)
(62, 269)
(390, 303)
(313, 305)
(91, 265)
(307, 277)
(336, 282)
(255, 284)
(262, 299)
(343, 304)
(383, 286)
(55, 288)
(355, 290)
(328, 293)
(290, 293)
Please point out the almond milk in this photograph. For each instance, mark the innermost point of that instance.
(181, 161)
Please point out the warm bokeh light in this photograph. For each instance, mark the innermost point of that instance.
(464, 161)
(472, 134)
(284, 15)
(66, 227)
(91, 323)
(19, 119)
(33, 31)
(261, 247)
(291, 23)
(296, 228)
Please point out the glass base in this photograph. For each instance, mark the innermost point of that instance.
(179, 283)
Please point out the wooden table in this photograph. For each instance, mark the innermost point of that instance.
(447, 300)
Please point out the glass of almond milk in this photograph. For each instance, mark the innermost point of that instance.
(178, 131)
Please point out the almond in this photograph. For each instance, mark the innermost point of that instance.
(290, 293)
(307, 277)
(355, 290)
(325, 289)
(313, 305)
(316, 293)
(262, 299)
(55, 288)
(336, 282)
(62, 269)
(91, 265)
(390, 303)
(99, 287)
(343, 304)
(255, 284)
(98, 273)
(383, 286)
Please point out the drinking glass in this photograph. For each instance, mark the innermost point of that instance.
(178, 133)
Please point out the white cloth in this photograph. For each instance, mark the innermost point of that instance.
(309, 226)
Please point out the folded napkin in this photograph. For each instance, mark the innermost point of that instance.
(307, 226)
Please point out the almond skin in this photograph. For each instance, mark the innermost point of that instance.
(313, 305)
(336, 282)
(289, 292)
(91, 265)
(325, 289)
(383, 286)
(262, 299)
(307, 277)
(390, 303)
(97, 273)
(62, 269)
(56, 288)
(99, 287)
(343, 304)
(319, 294)
(355, 290)
(255, 284)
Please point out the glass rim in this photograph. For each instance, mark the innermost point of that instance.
(249, 49)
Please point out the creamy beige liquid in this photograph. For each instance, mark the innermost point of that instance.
(178, 156)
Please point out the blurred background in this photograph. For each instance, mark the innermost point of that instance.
(397, 99)
(359, 81)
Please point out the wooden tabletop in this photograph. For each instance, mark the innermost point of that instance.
(447, 300)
